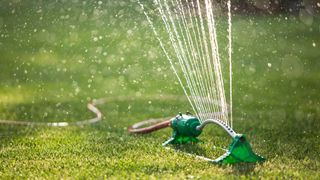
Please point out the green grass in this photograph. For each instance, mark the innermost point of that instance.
(51, 66)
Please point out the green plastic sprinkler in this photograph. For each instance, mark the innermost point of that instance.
(186, 129)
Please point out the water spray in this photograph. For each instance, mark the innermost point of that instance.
(187, 128)
(192, 36)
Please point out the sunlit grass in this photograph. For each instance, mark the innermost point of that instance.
(88, 51)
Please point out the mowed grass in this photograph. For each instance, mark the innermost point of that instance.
(57, 56)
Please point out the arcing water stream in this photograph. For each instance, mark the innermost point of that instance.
(193, 53)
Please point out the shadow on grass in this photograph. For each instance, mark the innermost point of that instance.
(192, 149)
(196, 150)
(243, 168)
(7, 133)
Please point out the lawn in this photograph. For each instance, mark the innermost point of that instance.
(55, 57)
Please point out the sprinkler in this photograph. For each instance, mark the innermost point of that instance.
(187, 128)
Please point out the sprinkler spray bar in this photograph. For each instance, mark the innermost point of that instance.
(227, 128)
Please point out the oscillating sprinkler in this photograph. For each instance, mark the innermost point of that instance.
(187, 128)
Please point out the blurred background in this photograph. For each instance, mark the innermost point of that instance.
(56, 56)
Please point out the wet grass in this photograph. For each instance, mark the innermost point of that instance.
(55, 57)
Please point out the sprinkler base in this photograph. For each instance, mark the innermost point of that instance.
(239, 151)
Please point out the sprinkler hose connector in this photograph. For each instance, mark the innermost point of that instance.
(184, 129)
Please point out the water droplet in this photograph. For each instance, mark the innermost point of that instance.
(292, 66)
